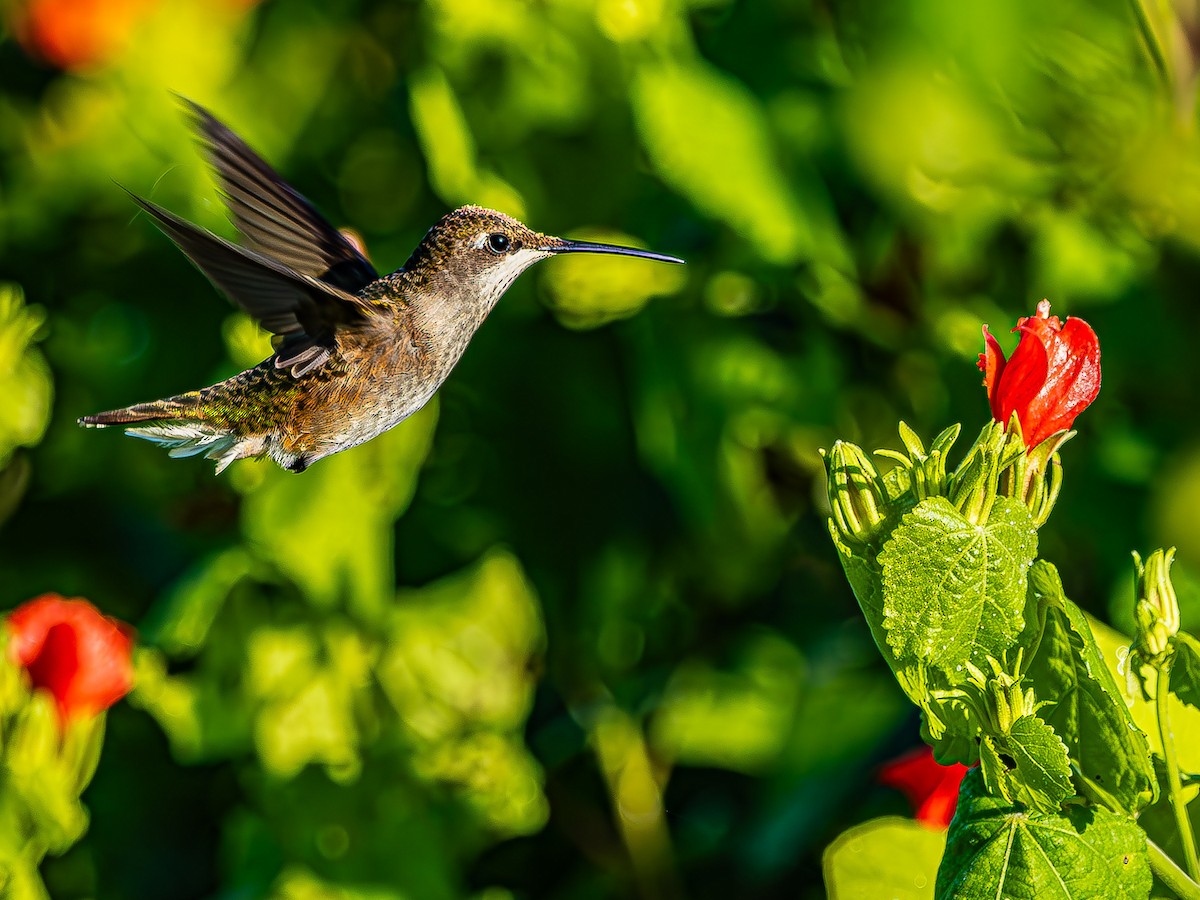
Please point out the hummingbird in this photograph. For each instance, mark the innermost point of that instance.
(356, 352)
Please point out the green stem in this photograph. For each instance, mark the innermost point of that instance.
(1150, 37)
(1168, 872)
(1097, 794)
(1162, 691)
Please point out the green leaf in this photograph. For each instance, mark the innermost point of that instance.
(586, 291)
(1042, 764)
(459, 669)
(889, 857)
(25, 381)
(449, 146)
(1028, 765)
(1185, 669)
(694, 119)
(866, 580)
(1085, 706)
(287, 518)
(1185, 720)
(741, 719)
(995, 849)
(953, 590)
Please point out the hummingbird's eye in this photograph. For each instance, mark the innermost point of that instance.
(498, 243)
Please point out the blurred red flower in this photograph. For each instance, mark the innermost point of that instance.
(79, 34)
(931, 788)
(1053, 376)
(82, 657)
(75, 34)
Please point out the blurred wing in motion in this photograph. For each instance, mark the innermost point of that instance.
(272, 217)
(301, 310)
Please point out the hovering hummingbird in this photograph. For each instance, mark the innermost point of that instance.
(355, 352)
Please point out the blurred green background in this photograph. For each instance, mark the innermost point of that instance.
(575, 630)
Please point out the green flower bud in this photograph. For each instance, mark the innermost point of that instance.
(857, 496)
(998, 699)
(1035, 477)
(924, 473)
(1157, 610)
(976, 482)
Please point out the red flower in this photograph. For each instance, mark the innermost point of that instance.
(76, 34)
(931, 788)
(1053, 376)
(70, 649)
(81, 34)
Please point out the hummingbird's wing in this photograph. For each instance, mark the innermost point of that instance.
(272, 217)
(302, 311)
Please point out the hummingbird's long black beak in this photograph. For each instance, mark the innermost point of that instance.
(558, 245)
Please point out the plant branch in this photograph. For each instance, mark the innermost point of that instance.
(1186, 837)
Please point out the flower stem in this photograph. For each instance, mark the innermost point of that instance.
(1173, 786)
(1168, 872)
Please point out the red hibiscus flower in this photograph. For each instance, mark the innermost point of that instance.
(83, 658)
(931, 788)
(1053, 376)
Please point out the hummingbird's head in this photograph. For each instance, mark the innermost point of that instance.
(482, 251)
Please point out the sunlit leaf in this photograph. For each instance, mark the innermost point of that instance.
(25, 386)
(588, 290)
(450, 149)
(457, 670)
(952, 589)
(736, 720)
(995, 849)
(708, 138)
(1028, 765)
(330, 529)
(1086, 707)
(890, 857)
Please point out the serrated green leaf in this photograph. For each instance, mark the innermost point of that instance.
(1085, 705)
(993, 769)
(995, 849)
(953, 590)
(890, 857)
(1185, 669)
(1041, 759)
(1028, 765)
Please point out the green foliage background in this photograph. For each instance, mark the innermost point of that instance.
(576, 630)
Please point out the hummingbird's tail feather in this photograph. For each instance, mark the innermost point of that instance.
(140, 412)
(178, 425)
(182, 439)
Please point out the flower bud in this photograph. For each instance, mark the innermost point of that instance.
(1157, 610)
(1052, 376)
(857, 497)
(1033, 478)
(976, 482)
(923, 474)
(998, 699)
